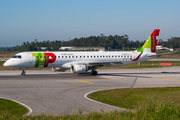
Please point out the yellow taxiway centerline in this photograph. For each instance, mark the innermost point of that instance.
(83, 81)
(168, 79)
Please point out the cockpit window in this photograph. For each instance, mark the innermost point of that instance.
(16, 56)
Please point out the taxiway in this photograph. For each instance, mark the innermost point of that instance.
(60, 93)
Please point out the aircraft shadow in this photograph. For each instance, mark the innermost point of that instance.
(86, 75)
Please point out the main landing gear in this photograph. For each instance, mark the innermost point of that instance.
(23, 71)
(93, 72)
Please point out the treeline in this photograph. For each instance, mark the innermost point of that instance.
(173, 42)
(116, 41)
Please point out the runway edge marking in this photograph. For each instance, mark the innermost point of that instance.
(123, 109)
(30, 110)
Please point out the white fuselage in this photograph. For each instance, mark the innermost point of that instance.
(67, 59)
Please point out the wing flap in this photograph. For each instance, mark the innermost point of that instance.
(104, 63)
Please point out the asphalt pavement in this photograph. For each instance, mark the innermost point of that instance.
(63, 93)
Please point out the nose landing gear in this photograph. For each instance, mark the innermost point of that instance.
(23, 71)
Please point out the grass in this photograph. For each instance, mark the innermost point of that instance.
(151, 111)
(10, 107)
(132, 97)
(147, 104)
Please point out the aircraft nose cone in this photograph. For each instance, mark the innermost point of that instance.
(6, 64)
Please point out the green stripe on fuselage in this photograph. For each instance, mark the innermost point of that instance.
(39, 59)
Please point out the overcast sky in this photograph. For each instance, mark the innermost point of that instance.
(27, 20)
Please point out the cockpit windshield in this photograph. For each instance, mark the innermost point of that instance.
(16, 56)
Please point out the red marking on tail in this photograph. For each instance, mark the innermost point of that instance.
(154, 40)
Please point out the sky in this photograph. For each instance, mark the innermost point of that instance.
(27, 20)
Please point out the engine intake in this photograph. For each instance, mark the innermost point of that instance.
(78, 68)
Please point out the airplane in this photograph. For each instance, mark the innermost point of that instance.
(81, 62)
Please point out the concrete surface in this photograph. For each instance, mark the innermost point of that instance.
(59, 93)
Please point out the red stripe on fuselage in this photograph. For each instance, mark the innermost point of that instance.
(137, 57)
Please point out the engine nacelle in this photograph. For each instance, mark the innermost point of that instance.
(58, 69)
(78, 68)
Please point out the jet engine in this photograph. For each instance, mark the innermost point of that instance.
(58, 69)
(78, 68)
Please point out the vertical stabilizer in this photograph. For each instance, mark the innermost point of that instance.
(151, 43)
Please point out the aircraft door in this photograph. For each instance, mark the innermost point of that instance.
(30, 58)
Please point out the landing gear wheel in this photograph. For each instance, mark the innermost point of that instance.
(23, 73)
(93, 72)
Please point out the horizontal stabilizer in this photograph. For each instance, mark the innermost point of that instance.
(154, 55)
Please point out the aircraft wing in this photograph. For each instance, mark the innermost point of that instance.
(99, 64)
(158, 54)
(153, 55)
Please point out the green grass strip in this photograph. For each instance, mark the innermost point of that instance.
(9, 108)
(131, 97)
